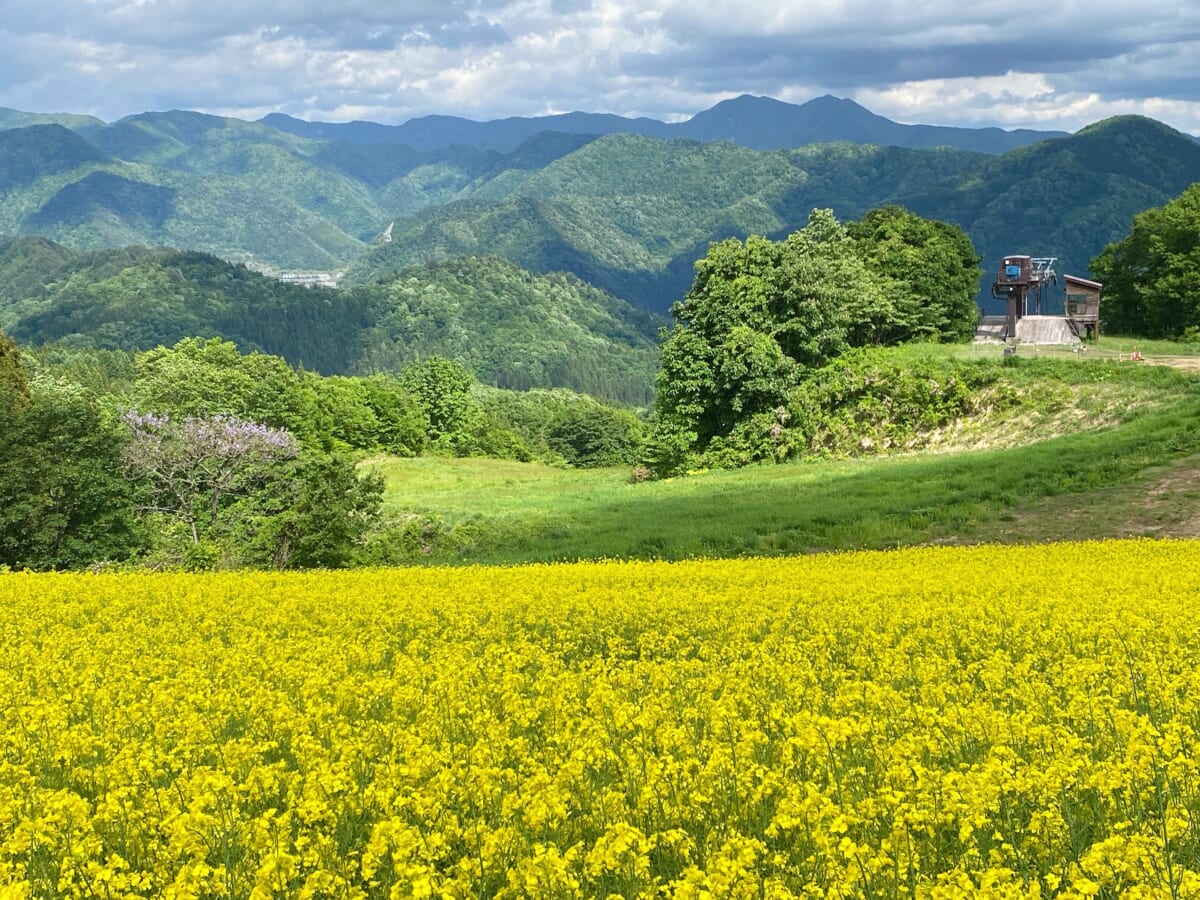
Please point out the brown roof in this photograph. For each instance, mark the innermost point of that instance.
(1075, 279)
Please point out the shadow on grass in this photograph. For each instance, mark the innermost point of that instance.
(875, 504)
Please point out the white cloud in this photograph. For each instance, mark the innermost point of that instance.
(1012, 63)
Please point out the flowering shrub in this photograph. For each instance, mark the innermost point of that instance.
(937, 723)
(195, 463)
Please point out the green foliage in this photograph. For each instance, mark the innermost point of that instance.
(14, 388)
(458, 424)
(868, 402)
(512, 329)
(595, 436)
(759, 316)
(200, 377)
(930, 274)
(313, 513)
(27, 266)
(136, 299)
(376, 413)
(1152, 276)
(64, 500)
(105, 373)
(827, 299)
(223, 491)
(443, 388)
(400, 423)
(564, 427)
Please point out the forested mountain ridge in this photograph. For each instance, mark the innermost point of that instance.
(57, 183)
(15, 118)
(631, 214)
(626, 212)
(760, 123)
(509, 327)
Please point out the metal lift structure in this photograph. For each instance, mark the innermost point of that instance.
(1020, 282)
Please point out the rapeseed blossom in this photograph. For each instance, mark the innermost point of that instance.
(932, 723)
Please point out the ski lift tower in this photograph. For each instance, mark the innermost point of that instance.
(1021, 279)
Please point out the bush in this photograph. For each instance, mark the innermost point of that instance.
(867, 402)
(592, 436)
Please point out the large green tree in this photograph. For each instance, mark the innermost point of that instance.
(313, 512)
(759, 314)
(929, 271)
(64, 502)
(443, 388)
(1152, 276)
(762, 315)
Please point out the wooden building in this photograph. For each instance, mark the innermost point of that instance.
(1083, 306)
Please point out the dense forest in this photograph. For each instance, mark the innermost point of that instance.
(509, 327)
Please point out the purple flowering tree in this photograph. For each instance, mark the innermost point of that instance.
(196, 464)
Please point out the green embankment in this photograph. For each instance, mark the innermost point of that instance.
(1125, 432)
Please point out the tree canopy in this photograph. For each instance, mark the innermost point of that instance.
(761, 314)
(930, 274)
(64, 500)
(13, 386)
(1152, 276)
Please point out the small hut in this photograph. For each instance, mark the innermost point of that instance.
(1083, 306)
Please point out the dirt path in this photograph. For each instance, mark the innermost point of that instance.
(1162, 502)
(1187, 363)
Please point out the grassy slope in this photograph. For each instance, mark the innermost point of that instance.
(1083, 484)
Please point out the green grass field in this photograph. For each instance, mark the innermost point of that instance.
(1079, 484)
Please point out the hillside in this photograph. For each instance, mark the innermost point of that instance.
(513, 329)
(136, 298)
(1066, 198)
(1079, 449)
(57, 183)
(509, 327)
(42, 151)
(632, 214)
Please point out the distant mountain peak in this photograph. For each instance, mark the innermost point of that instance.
(1129, 122)
(750, 120)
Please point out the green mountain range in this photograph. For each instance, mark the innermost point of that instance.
(512, 328)
(631, 214)
(760, 123)
(627, 212)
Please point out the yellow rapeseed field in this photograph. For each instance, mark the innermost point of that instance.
(932, 723)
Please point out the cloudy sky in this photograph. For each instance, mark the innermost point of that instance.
(1016, 63)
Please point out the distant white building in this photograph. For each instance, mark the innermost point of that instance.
(310, 279)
